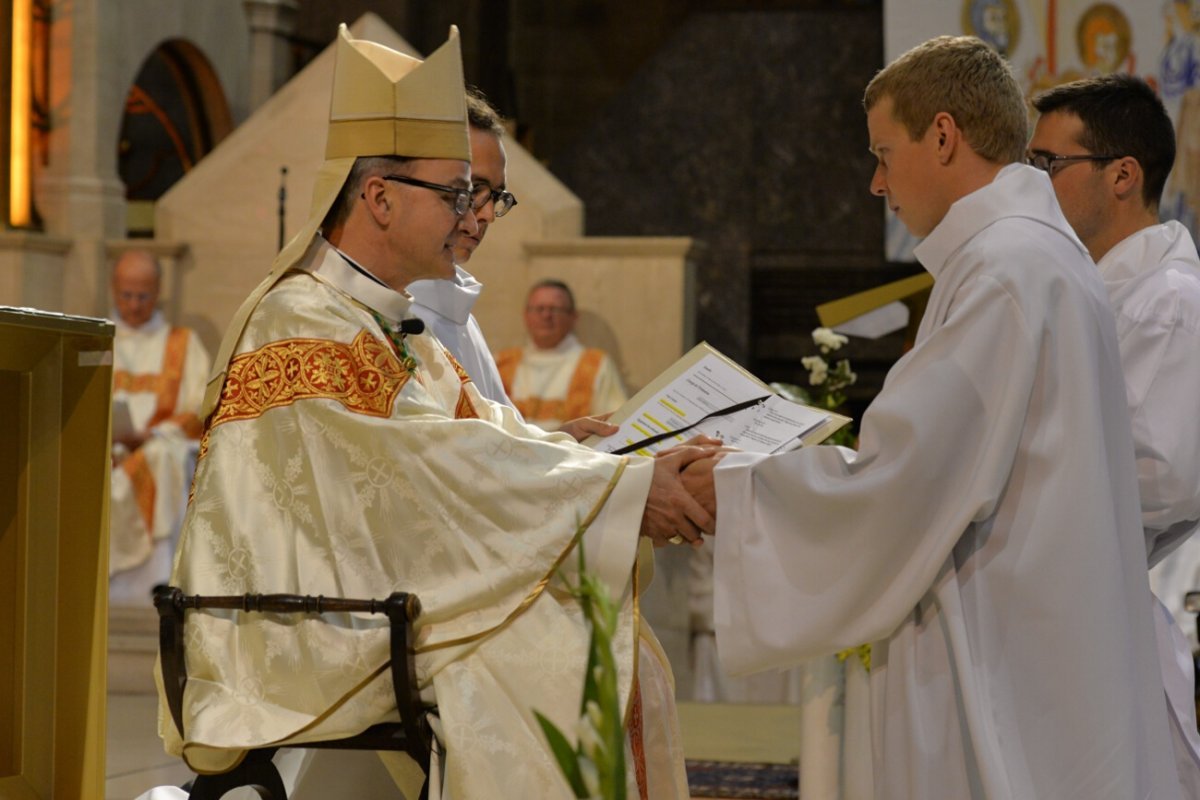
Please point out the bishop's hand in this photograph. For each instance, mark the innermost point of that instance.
(672, 514)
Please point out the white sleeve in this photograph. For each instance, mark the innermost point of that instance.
(816, 552)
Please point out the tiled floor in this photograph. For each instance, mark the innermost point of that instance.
(136, 761)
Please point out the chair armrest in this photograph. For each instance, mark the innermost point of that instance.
(401, 608)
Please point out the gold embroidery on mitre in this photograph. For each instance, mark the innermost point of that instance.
(363, 376)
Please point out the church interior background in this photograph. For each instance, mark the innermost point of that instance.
(720, 141)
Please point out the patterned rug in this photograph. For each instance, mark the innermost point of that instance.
(732, 779)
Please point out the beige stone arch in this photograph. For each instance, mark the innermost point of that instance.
(97, 48)
(193, 117)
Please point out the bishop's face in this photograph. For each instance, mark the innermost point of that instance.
(426, 230)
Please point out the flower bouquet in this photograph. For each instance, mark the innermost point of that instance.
(826, 384)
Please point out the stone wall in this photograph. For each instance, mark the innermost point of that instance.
(745, 130)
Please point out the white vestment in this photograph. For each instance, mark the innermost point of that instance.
(986, 537)
(331, 468)
(159, 374)
(1153, 282)
(566, 382)
(445, 306)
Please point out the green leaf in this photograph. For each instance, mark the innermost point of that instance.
(564, 754)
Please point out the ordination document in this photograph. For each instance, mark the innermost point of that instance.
(705, 392)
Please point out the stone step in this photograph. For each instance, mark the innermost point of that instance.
(132, 649)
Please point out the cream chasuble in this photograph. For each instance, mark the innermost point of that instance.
(160, 373)
(331, 469)
(986, 538)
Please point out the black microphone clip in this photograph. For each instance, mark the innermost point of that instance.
(413, 325)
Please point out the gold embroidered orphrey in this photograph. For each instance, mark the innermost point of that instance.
(363, 376)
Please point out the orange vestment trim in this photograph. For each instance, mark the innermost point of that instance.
(578, 402)
(363, 376)
(165, 384)
(506, 363)
(583, 382)
(142, 479)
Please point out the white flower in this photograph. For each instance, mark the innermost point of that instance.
(827, 340)
(817, 368)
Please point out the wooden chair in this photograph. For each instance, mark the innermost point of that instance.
(411, 735)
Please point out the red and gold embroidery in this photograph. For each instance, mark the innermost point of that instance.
(463, 377)
(199, 458)
(363, 376)
(637, 742)
(464, 409)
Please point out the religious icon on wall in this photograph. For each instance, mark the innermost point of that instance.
(995, 21)
(1050, 42)
(1102, 35)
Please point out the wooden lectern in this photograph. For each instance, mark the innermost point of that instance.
(55, 396)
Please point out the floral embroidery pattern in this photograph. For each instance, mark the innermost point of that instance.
(364, 376)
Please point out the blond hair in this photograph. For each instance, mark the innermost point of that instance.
(964, 77)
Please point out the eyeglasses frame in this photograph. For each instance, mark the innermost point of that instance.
(502, 200)
(1050, 159)
(463, 199)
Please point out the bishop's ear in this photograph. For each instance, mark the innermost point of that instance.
(375, 197)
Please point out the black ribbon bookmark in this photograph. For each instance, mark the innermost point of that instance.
(668, 434)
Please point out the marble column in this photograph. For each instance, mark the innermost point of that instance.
(78, 192)
(271, 23)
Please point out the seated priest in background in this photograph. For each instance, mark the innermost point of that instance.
(347, 455)
(554, 378)
(1108, 146)
(986, 537)
(159, 374)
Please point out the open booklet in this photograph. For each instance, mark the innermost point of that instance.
(705, 392)
(122, 420)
